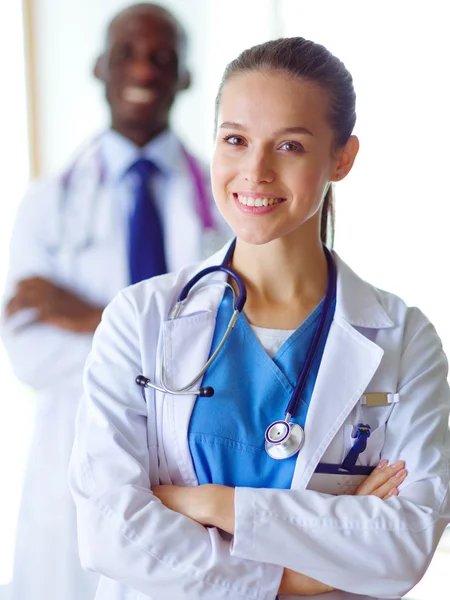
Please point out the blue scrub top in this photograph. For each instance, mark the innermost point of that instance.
(251, 390)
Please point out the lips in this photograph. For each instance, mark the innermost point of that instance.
(257, 201)
(257, 204)
(139, 95)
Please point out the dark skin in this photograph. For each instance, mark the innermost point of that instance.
(142, 71)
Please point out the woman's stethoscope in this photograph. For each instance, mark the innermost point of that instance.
(283, 438)
(97, 180)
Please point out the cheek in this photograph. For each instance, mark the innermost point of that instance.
(310, 180)
(221, 175)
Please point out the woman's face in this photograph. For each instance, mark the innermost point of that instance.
(273, 156)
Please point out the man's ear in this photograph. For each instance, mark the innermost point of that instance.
(184, 81)
(99, 68)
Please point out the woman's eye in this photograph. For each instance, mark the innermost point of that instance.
(292, 147)
(234, 140)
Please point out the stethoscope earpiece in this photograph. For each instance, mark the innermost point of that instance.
(204, 392)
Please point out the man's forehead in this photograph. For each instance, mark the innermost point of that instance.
(133, 21)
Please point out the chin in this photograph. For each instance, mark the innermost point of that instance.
(255, 237)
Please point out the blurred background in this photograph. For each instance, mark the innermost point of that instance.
(392, 212)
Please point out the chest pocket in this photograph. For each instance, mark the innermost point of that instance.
(376, 418)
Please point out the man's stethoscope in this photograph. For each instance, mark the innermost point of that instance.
(92, 157)
(283, 438)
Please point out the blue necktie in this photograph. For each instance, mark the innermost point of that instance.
(146, 242)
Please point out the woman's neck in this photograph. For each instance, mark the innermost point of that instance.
(285, 279)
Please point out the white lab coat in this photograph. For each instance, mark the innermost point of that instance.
(47, 241)
(128, 439)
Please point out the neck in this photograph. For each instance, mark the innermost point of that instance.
(140, 136)
(285, 279)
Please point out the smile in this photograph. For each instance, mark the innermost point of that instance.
(138, 95)
(260, 201)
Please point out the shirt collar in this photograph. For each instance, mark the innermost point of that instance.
(118, 153)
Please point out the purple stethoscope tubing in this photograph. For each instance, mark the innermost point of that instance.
(327, 307)
(202, 197)
(239, 300)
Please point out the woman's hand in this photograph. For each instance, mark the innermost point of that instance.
(383, 481)
(208, 504)
(296, 584)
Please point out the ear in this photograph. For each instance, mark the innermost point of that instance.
(99, 68)
(346, 157)
(184, 81)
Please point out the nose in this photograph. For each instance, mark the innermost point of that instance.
(258, 168)
(143, 68)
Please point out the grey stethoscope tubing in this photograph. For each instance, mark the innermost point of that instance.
(238, 305)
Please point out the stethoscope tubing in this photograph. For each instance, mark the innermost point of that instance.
(328, 303)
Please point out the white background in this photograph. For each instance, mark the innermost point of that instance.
(392, 211)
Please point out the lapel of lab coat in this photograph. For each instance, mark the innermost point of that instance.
(187, 342)
(349, 362)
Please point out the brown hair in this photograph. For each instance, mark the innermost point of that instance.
(308, 61)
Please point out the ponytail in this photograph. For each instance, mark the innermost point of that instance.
(327, 219)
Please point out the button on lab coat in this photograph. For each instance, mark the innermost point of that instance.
(51, 240)
(129, 439)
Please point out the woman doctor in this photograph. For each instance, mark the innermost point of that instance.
(241, 485)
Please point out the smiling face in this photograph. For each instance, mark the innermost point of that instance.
(140, 70)
(274, 156)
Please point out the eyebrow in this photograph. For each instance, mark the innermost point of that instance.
(233, 125)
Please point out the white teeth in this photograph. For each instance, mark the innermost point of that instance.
(138, 95)
(250, 201)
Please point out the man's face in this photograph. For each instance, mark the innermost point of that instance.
(140, 70)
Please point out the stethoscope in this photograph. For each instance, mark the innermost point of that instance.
(283, 438)
(97, 175)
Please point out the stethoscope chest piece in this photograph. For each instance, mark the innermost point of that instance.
(283, 439)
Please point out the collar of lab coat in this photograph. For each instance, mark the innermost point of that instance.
(119, 153)
(357, 302)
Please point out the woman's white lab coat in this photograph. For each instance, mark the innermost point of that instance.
(128, 440)
(76, 240)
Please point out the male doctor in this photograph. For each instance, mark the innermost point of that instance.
(134, 204)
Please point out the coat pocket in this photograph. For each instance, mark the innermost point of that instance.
(372, 454)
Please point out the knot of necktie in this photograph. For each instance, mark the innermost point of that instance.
(142, 169)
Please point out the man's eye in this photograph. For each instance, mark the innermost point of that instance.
(122, 53)
(163, 58)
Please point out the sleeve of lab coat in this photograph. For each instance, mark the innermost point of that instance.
(39, 353)
(387, 545)
(124, 532)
